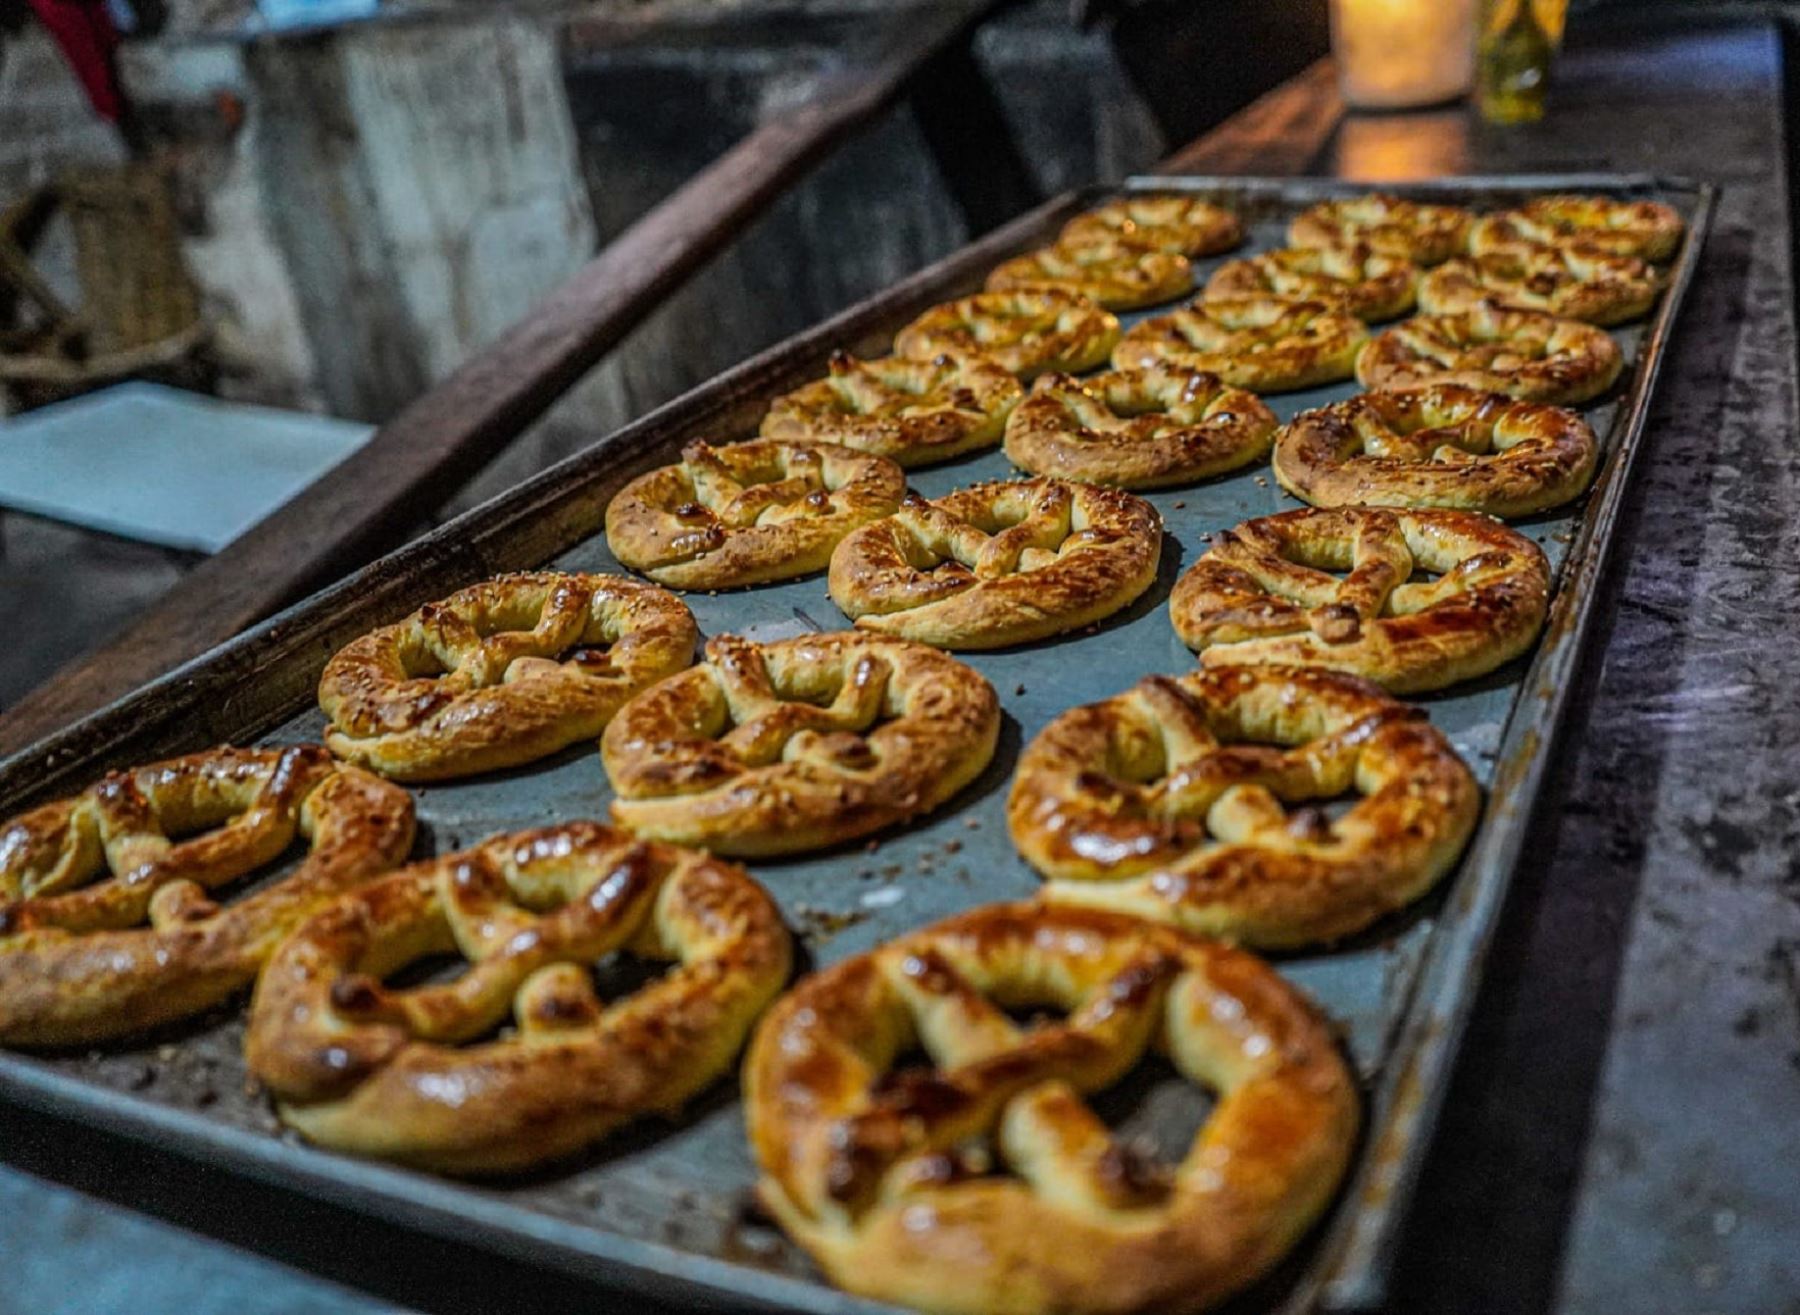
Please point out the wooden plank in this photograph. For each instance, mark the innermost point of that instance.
(373, 500)
(1283, 132)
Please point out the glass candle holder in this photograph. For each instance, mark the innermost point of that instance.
(1395, 54)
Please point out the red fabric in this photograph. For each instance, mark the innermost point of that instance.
(88, 38)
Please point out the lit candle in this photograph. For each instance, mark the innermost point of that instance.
(1396, 53)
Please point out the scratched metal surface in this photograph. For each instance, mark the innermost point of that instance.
(663, 1209)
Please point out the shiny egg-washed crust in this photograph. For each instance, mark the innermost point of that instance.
(1648, 230)
(405, 1074)
(1524, 354)
(911, 412)
(884, 1174)
(1264, 592)
(1027, 331)
(998, 564)
(1138, 429)
(1171, 802)
(1566, 281)
(798, 744)
(1182, 224)
(106, 925)
(1423, 234)
(1262, 343)
(1118, 275)
(1437, 446)
(501, 673)
(1370, 285)
(748, 513)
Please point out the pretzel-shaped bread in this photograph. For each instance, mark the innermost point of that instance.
(1118, 274)
(1524, 354)
(1170, 222)
(501, 673)
(1170, 801)
(1371, 285)
(798, 744)
(883, 1173)
(1648, 230)
(1391, 225)
(1138, 429)
(1266, 344)
(1028, 331)
(1441, 445)
(415, 1074)
(911, 412)
(1569, 281)
(748, 513)
(106, 925)
(1264, 592)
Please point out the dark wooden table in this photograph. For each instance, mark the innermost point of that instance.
(1623, 1131)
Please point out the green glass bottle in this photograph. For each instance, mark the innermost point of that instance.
(1512, 65)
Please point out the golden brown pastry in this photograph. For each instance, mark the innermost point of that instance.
(1537, 358)
(1568, 281)
(1168, 222)
(1370, 285)
(1266, 344)
(107, 927)
(998, 564)
(1648, 230)
(1026, 331)
(981, 1180)
(1117, 274)
(911, 412)
(1172, 801)
(748, 513)
(1423, 234)
(417, 1074)
(501, 673)
(1437, 446)
(799, 744)
(1264, 592)
(1138, 429)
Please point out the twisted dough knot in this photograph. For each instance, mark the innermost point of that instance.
(1138, 429)
(1118, 274)
(1569, 281)
(782, 747)
(911, 412)
(1437, 446)
(415, 1074)
(1266, 344)
(500, 673)
(1538, 358)
(1027, 331)
(1391, 225)
(1265, 593)
(1648, 230)
(883, 1174)
(1000, 563)
(1369, 284)
(1185, 225)
(106, 923)
(1170, 801)
(748, 513)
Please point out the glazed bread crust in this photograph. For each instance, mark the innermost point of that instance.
(1185, 225)
(1567, 281)
(911, 412)
(1172, 801)
(1648, 230)
(1391, 225)
(880, 1173)
(1264, 593)
(1119, 275)
(798, 744)
(1138, 429)
(748, 513)
(1370, 285)
(998, 564)
(1028, 331)
(106, 924)
(1524, 354)
(500, 673)
(1262, 343)
(1437, 446)
(404, 1074)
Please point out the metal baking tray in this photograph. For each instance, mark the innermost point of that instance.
(663, 1211)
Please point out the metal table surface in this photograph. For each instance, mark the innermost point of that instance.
(1622, 1131)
